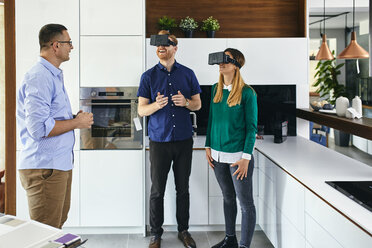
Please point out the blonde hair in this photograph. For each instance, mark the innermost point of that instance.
(171, 36)
(238, 83)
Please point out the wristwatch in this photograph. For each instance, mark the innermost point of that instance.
(187, 103)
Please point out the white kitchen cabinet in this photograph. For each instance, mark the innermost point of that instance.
(27, 42)
(22, 203)
(293, 216)
(198, 191)
(317, 236)
(287, 233)
(73, 219)
(267, 221)
(266, 189)
(290, 200)
(111, 17)
(369, 147)
(340, 228)
(360, 143)
(111, 61)
(111, 188)
(281, 205)
(308, 245)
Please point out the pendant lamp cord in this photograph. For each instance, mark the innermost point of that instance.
(353, 14)
(324, 17)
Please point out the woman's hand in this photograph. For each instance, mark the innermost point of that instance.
(209, 157)
(242, 170)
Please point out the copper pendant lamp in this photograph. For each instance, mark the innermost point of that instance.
(353, 50)
(324, 53)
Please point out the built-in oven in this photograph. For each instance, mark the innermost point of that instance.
(116, 121)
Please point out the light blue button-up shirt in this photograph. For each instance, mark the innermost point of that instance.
(41, 100)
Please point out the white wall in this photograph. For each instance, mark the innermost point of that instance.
(268, 61)
(338, 5)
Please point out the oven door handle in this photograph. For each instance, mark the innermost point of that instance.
(107, 103)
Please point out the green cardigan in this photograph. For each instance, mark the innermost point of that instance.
(233, 129)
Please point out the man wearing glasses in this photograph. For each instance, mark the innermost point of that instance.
(167, 93)
(46, 126)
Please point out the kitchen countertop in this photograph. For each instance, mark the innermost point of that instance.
(312, 164)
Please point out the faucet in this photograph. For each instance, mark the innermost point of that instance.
(194, 125)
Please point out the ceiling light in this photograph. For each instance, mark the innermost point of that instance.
(353, 50)
(324, 53)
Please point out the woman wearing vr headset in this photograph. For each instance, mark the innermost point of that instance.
(229, 144)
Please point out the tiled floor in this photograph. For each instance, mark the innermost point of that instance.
(352, 152)
(169, 240)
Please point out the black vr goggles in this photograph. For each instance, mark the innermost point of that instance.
(221, 57)
(161, 40)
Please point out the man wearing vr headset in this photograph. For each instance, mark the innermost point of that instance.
(167, 93)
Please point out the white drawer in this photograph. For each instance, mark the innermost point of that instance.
(344, 231)
(317, 236)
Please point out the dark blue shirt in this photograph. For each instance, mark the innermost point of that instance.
(170, 123)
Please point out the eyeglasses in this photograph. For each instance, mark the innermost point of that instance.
(65, 41)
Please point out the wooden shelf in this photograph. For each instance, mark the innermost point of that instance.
(360, 127)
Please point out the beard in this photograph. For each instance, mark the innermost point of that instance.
(164, 56)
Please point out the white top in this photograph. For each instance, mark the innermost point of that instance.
(228, 157)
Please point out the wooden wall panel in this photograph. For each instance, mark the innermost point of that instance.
(238, 18)
(10, 108)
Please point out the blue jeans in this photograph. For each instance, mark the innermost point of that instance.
(231, 187)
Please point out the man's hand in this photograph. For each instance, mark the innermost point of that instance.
(209, 157)
(84, 120)
(161, 101)
(179, 99)
(242, 168)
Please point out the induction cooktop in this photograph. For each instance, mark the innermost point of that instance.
(358, 191)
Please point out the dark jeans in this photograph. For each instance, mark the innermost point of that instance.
(162, 154)
(231, 187)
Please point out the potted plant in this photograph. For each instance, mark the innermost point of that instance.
(166, 23)
(210, 25)
(188, 25)
(327, 72)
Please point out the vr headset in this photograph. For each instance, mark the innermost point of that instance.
(161, 40)
(221, 57)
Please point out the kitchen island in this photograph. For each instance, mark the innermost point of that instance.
(297, 208)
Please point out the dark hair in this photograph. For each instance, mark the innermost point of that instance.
(49, 32)
(238, 56)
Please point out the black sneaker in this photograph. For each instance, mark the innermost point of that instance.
(227, 242)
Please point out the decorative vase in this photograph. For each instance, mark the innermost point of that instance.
(342, 103)
(211, 33)
(188, 33)
(356, 103)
